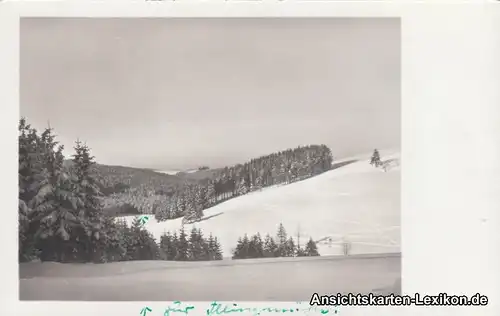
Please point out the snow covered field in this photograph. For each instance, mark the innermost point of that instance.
(356, 203)
(275, 279)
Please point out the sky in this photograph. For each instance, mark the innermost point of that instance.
(173, 94)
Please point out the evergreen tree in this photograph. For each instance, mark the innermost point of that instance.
(242, 187)
(181, 204)
(270, 247)
(196, 249)
(113, 232)
(194, 207)
(166, 245)
(128, 242)
(281, 238)
(173, 253)
(199, 203)
(210, 248)
(214, 249)
(190, 213)
(144, 246)
(375, 160)
(311, 248)
(246, 247)
(29, 166)
(182, 246)
(211, 193)
(258, 182)
(203, 199)
(238, 252)
(256, 247)
(203, 242)
(217, 250)
(290, 249)
(56, 206)
(89, 193)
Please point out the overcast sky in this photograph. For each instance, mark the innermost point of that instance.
(178, 93)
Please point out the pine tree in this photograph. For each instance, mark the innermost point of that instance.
(194, 207)
(311, 248)
(128, 241)
(270, 247)
(238, 251)
(144, 246)
(217, 250)
(210, 251)
(190, 213)
(29, 166)
(196, 245)
(211, 193)
(258, 182)
(256, 247)
(281, 238)
(199, 203)
(375, 160)
(246, 247)
(135, 229)
(115, 249)
(176, 207)
(181, 204)
(173, 253)
(166, 245)
(242, 187)
(56, 206)
(182, 246)
(204, 198)
(89, 193)
(291, 250)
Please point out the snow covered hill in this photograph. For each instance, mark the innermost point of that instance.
(356, 203)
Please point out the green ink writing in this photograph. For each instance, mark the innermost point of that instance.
(220, 309)
(178, 309)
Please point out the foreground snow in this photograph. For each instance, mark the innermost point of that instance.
(277, 279)
(356, 203)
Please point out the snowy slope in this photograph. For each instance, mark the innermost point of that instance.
(356, 202)
(170, 172)
(175, 172)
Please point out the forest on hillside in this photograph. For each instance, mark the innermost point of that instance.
(133, 191)
(283, 167)
(62, 203)
(130, 191)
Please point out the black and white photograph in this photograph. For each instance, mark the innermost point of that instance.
(209, 159)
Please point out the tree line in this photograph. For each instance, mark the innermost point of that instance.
(283, 167)
(61, 214)
(188, 199)
(179, 247)
(281, 246)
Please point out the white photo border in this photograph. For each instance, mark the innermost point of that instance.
(450, 144)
